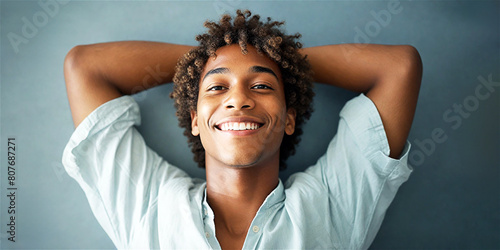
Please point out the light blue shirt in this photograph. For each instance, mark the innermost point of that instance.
(142, 201)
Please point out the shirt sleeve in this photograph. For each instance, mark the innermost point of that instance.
(357, 174)
(119, 174)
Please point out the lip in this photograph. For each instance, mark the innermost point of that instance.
(245, 119)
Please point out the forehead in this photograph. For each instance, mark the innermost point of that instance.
(231, 57)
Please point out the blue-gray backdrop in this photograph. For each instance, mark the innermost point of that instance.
(452, 199)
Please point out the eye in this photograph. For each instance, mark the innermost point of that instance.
(216, 88)
(261, 86)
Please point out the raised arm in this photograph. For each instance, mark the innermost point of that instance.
(98, 73)
(389, 75)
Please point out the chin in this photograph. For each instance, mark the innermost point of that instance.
(240, 158)
(240, 163)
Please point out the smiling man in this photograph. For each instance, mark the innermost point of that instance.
(242, 96)
(241, 111)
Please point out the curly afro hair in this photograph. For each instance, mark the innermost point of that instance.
(268, 39)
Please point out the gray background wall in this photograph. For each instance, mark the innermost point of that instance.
(452, 199)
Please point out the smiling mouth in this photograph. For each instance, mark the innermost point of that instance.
(238, 126)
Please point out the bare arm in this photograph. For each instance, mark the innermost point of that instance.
(389, 75)
(98, 73)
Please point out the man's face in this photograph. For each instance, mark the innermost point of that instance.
(241, 113)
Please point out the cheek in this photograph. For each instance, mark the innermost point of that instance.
(205, 111)
(277, 108)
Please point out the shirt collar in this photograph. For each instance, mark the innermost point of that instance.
(276, 196)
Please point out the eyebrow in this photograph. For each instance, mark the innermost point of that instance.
(254, 69)
(260, 69)
(216, 71)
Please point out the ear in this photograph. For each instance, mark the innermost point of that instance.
(194, 124)
(290, 121)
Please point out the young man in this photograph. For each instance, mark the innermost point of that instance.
(241, 96)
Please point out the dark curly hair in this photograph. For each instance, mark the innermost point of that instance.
(268, 39)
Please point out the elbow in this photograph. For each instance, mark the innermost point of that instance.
(73, 60)
(411, 64)
(77, 65)
(402, 67)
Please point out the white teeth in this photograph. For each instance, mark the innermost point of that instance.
(238, 126)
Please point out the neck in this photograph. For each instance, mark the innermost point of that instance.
(236, 194)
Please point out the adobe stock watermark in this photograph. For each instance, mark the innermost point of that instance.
(455, 116)
(59, 170)
(30, 26)
(372, 29)
(154, 77)
(226, 6)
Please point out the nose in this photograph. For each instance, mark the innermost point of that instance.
(239, 98)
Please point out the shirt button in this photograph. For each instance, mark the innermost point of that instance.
(255, 229)
(207, 234)
(205, 211)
